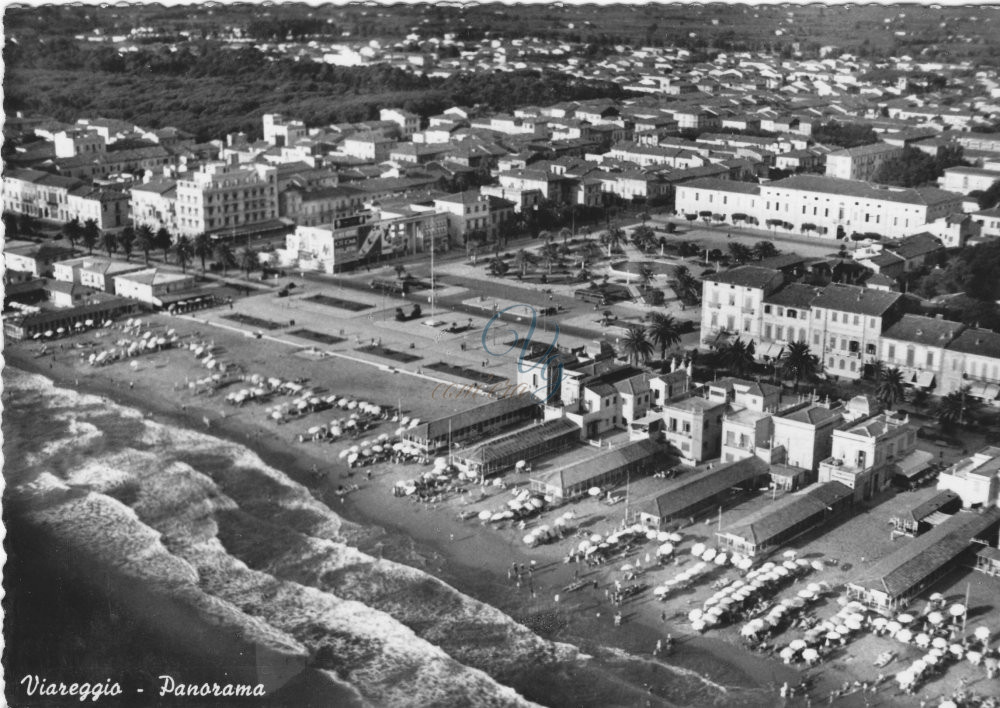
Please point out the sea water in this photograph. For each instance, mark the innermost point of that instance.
(205, 541)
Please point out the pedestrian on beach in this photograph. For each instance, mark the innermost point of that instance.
(663, 617)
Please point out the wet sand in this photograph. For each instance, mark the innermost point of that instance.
(472, 558)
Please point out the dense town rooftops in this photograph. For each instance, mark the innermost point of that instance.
(856, 300)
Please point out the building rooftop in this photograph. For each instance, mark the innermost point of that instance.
(855, 299)
(747, 276)
(929, 331)
(693, 404)
(583, 472)
(811, 413)
(794, 295)
(985, 463)
(981, 342)
(724, 185)
(763, 525)
(924, 196)
(685, 494)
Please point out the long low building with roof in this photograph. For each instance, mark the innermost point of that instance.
(609, 467)
(899, 577)
(503, 453)
(477, 422)
(787, 518)
(690, 496)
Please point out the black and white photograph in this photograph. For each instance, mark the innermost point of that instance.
(485, 355)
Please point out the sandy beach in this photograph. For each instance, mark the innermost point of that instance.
(471, 557)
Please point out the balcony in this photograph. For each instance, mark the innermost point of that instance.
(748, 309)
(714, 304)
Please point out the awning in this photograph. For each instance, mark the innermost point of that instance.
(771, 350)
(925, 379)
(938, 517)
(985, 391)
(913, 464)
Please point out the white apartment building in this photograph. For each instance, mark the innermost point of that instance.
(787, 318)
(916, 346)
(968, 179)
(368, 146)
(154, 204)
(972, 359)
(989, 222)
(976, 478)
(281, 132)
(223, 196)
(151, 284)
(860, 163)
(823, 206)
(56, 198)
(732, 301)
(78, 141)
(862, 456)
(649, 155)
(805, 432)
(847, 324)
(409, 123)
(320, 248)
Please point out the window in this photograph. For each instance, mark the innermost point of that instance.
(833, 316)
(816, 338)
(767, 331)
(779, 332)
(767, 309)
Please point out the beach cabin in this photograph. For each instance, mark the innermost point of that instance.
(611, 467)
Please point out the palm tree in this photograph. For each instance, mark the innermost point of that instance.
(876, 367)
(126, 241)
(522, 259)
(184, 251)
(637, 346)
(163, 240)
(550, 255)
(664, 331)
(73, 231)
(799, 362)
(764, 249)
(224, 255)
(249, 260)
(687, 287)
(202, 247)
(110, 242)
(645, 276)
(612, 238)
(91, 234)
(740, 253)
(590, 251)
(955, 407)
(738, 356)
(144, 240)
(498, 266)
(566, 234)
(545, 235)
(890, 388)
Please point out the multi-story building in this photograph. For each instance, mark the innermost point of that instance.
(36, 259)
(152, 284)
(787, 318)
(78, 141)
(409, 123)
(370, 147)
(968, 179)
(732, 301)
(650, 155)
(693, 427)
(154, 204)
(281, 132)
(108, 208)
(976, 479)
(93, 272)
(323, 205)
(860, 163)
(972, 359)
(847, 324)
(471, 212)
(746, 424)
(328, 248)
(862, 456)
(989, 222)
(804, 432)
(56, 198)
(226, 197)
(916, 346)
(822, 206)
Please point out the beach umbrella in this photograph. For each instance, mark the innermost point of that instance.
(957, 650)
(974, 657)
(810, 655)
(892, 627)
(675, 537)
(665, 550)
(956, 610)
(720, 559)
(905, 678)
(745, 564)
(939, 643)
(922, 640)
(935, 618)
(797, 645)
(485, 515)
(982, 634)
(594, 491)
(596, 538)
(947, 704)
(698, 549)
(343, 454)
(695, 615)
(852, 624)
(698, 626)
(937, 597)
(49, 333)
(833, 636)
(89, 323)
(789, 566)
(904, 618)
(352, 458)
(789, 554)
(709, 555)
(815, 587)
(780, 572)
(904, 636)
(786, 654)
(930, 659)
(817, 565)
(918, 667)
